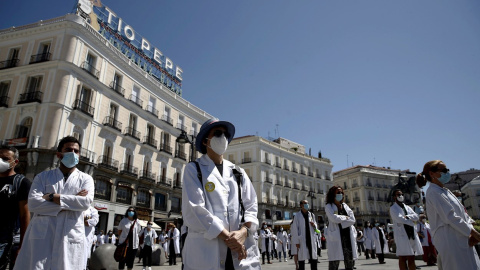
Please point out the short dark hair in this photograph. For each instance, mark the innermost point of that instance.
(331, 194)
(68, 139)
(134, 212)
(395, 192)
(12, 149)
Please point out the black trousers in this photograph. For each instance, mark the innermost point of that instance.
(172, 256)
(147, 255)
(381, 257)
(313, 265)
(128, 259)
(4, 254)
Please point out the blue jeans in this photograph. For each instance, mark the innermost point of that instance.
(4, 254)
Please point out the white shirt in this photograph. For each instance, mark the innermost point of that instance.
(124, 226)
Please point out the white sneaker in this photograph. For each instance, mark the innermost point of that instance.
(149, 268)
(285, 259)
(144, 268)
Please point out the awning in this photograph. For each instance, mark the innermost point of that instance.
(282, 222)
(143, 223)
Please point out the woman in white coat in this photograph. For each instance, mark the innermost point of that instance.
(219, 206)
(369, 241)
(303, 230)
(173, 239)
(406, 238)
(162, 239)
(425, 235)
(124, 226)
(282, 240)
(381, 243)
(340, 234)
(267, 244)
(451, 227)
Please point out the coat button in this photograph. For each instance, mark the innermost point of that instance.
(226, 213)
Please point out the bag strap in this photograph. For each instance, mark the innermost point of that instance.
(239, 177)
(131, 229)
(17, 180)
(199, 172)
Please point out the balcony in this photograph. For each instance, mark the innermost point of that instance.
(357, 199)
(279, 183)
(143, 203)
(152, 110)
(305, 188)
(90, 69)
(38, 58)
(83, 107)
(87, 155)
(129, 131)
(136, 100)
(286, 167)
(30, 97)
(246, 160)
(182, 127)
(278, 165)
(378, 185)
(321, 192)
(129, 170)
(354, 185)
(296, 187)
(368, 184)
(161, 207)
(110, 121)
(294, 169)
(268, 180)
(302, 171)
(167, 119)
(370, 198)
(9, 63)
(108, 163)
(178, 184)
(115, 86)
(149, 140)
(181, 155)
(268, 161)
(164, 181)
(103, 194)
(310, 174)
(148, 176)
(4, 101)
(288, 185)
(166, 148)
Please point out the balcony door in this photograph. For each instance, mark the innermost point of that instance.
(33, 84)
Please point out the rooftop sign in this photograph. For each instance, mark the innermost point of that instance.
(123, 37)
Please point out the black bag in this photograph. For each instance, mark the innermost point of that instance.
(121, 250)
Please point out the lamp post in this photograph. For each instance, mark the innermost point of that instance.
(183, 138)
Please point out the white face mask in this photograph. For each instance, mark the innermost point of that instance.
(400, 198)
(4, 166)
(219, 144)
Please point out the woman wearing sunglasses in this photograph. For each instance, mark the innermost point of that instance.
(219, 206)
(452, 230)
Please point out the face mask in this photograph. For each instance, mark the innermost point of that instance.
(131, 213)
(377, 224)
(149, 226)
(264, 226)
(339, 197)
(306, 206)
(70, 159)
(281, 229)
(368, 224)
(400, 198)
(4, 166)
(219, 144)
(444, 178)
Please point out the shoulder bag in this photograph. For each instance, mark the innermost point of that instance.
(121, 250)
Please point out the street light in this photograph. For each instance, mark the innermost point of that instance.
(183, 139)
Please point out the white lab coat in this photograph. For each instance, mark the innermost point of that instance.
(266, 234)
(405, 246)
(163, 241)
(175, 235)
(152, 233)
(424, 228)
(255, 237)
(100, 239)
(124, 226)
(332, 233)
(369, 241)
(113, 241)
(92, 215)
(299, 236)
(376, 237)
(282, 240)
(211, 205)
(450, 228)
(56, 234)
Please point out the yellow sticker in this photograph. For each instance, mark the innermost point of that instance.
(210, 186)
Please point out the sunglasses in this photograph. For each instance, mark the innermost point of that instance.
(218, 133)
(444, 170)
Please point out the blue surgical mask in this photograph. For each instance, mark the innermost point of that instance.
(70, 159)
(131, 213)
(444, 177)
(339, 197)
(377, 224)
(306, 206)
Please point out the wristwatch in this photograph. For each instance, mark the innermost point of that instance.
(50, 197)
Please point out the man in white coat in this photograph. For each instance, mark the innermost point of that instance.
(173, 244)
(56, 234)
(303, 236)
(90, 217)
(369, 241)
(380, 242)
(100, 238)
(219, 205)
(282, 240)
(406, 238)
(266, 243)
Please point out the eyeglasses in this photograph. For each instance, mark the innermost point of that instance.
(219, 132)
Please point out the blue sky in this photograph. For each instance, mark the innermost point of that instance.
(390, 83)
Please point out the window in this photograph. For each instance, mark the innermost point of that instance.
(117, 81)
(151, 106)
(91, 62)
(150, 131)
(113, 113)
(268, 214)
(43, 53)
(13, 54)
(124, 195)
(160, 202)
(176, 205)
(107, 150)
(166, 112)
(23, 130)
(132, 123)
(34, 84)
(78, 133)
(194, 130)
(181, 123)
(143, 198)
(103, 188)
(4, 87)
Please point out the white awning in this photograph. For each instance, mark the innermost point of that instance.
(282, 222)
(143, 223)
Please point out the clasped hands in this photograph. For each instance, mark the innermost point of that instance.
(474, 238)
(56, 197)
(234, 240)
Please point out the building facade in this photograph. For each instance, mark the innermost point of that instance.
(282, 176)
(471, 197)
(367, 189)
(62, 77)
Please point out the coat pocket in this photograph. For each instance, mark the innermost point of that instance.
(39, 227)
(75, 230)
(201, 253)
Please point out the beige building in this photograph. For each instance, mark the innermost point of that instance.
(367, 189)
(282, 175)
(471, 197)
(62, 77)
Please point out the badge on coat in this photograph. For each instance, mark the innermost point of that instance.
(209, 186)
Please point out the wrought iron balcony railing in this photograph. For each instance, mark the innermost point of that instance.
(136, 100)
(149, 140)
(38, 58)
(83, 107)
(246, 160)
(166, 148)
(152, 110)
(130, 131)
(115, 86)
(163, 180)
(30, 97)
(182, 127)
(167, 119)
(148, 175)
(181, 155)
(110, 121)
(108, 163)
(4, 101)
(129, 169)
(87, 155)
(9, 63)
(91, 69)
